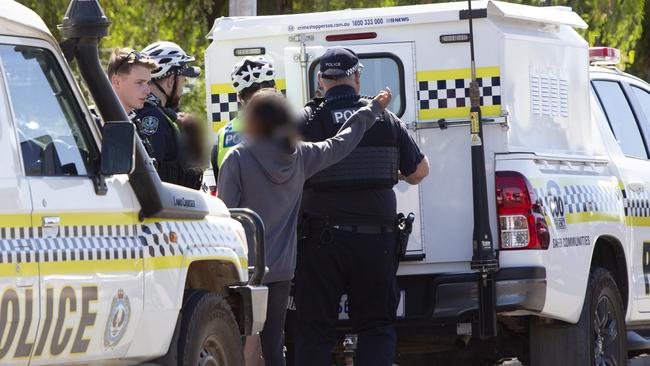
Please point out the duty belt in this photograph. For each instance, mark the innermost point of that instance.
(320, 224)
(364, 229)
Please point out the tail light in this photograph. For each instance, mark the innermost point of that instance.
(213, 190)
(522, 224)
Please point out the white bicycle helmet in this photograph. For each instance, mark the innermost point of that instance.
(170, 58)
(251, 70)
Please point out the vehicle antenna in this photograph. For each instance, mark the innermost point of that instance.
(484, 259)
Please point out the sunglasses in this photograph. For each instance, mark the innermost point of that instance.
(128, 59)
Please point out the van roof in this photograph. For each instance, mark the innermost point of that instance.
(19, 20)
(275, 25)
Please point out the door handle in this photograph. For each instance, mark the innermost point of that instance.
(51, 225)
(636, 186)
(51, 221)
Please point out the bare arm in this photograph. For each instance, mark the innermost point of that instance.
(419, 174)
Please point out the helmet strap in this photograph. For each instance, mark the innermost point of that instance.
(169, 102)
(170, 98)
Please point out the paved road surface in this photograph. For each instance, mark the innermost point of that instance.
(639, 361)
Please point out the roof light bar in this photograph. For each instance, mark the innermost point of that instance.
(350, 36)
(604, 56)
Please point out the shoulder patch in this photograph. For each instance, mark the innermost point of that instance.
(149, 125)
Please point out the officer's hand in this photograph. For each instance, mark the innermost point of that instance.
(186, 119)
(384, 97)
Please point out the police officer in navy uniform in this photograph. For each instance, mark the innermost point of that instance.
(348, 243)
(175, 154)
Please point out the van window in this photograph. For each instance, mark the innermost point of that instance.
(620, 117)
(379, 71)
(53, 134)
(644, 99)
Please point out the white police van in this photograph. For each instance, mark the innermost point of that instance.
(567, 165)
(100, 262)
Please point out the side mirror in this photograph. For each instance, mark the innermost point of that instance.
(118, 148)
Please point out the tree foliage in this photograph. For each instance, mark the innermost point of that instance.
(136, 23)
(612, 23)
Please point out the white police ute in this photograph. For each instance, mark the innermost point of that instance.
(101, 262)
(566, 156)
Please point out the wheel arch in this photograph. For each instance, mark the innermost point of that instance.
(214, 275)
(217, 275)
(608, 253)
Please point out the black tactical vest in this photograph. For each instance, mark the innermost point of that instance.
(176, 171)
(375, 161)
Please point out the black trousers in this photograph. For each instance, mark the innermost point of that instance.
(272, 336)
(361, 265)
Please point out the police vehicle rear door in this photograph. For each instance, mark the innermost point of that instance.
(91, 278)
(385, 64)
(19, 281)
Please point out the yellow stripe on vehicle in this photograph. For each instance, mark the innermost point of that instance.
(18, 269)
(464, 73)
(15, 220)
(281, 84)
(222, 88)
(637, 221)
(216, 126)
(167, 262)
(90, 218)
(429, 114)
(107, 266)
(91, 266)
(591, 216)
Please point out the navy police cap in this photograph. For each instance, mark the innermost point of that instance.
(338, 62)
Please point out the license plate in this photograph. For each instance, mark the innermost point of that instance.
(344, 307)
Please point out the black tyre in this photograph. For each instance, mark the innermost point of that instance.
(599, 337)
(209, 335)
(608, 333)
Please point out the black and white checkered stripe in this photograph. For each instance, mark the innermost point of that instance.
(591, 198)
(79, 243)
(454, 93)
(197, 236)
(225, 107)
(579, 198)
(56, 249)
(16, 232)
(637, 204)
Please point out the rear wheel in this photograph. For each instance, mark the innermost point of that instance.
(608, 332)
(599, 337)
(209, 333)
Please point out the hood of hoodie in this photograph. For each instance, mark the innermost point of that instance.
(277, 162)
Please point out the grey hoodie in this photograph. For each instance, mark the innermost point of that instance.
(265, 177)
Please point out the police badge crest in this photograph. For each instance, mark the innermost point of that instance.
(118, 319)
(149, 125)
